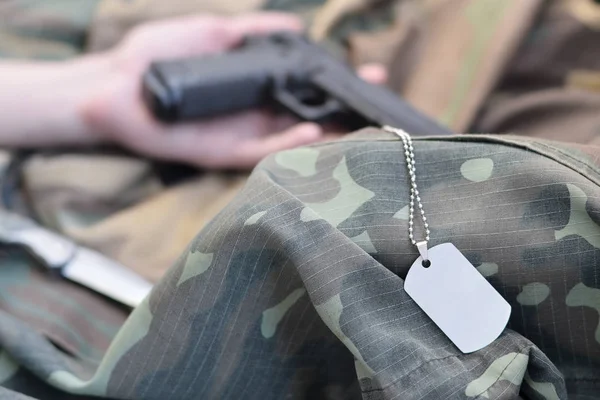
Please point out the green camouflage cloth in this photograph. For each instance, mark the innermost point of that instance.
(53, 29)
(296, 290)
(59, 29)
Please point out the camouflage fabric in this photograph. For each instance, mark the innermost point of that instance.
(101, 200)
(67, 316)
(450, 67)
(551, 85)
(296, 289)
(328, 21)
(54, 29)
(100, 206)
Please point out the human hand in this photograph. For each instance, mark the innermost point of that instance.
(115, 111)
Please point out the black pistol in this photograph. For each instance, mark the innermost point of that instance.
(280, 69)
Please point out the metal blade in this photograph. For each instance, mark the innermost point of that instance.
(97, 272)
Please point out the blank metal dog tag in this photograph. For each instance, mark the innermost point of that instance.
(458, 299)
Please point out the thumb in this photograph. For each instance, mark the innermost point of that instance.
(373, 73)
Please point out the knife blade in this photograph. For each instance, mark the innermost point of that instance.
(76, 263)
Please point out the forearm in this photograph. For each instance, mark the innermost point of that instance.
(40, 102)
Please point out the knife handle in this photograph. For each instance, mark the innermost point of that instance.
(53, 250)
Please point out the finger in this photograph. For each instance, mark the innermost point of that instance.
(214, 143)
(247, 124)
(262, 23)
(235, 141)
(209, 143)
(199, 34)
(225, 33)
(281, 122)
(331, 136)
(373, 73)
(251, 152)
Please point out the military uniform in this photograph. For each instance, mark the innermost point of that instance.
(296, 289)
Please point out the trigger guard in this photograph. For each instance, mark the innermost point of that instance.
(306, 112)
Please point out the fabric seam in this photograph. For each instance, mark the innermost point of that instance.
(473, 138)
(478, 396)
(425, 363)
(592, 167)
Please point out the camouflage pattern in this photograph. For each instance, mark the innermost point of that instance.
(455, 59)
(551, 84)
(295, 290)
(45, 30)
(331, 26)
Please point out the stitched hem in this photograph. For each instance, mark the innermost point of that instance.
(477, 396)
(541, 147)
(424, 364)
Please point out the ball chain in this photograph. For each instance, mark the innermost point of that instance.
(414, 191)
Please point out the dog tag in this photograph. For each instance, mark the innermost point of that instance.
(457, 298)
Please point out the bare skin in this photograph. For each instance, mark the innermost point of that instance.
(96, 98)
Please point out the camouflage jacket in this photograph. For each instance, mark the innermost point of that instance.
(295, 290)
